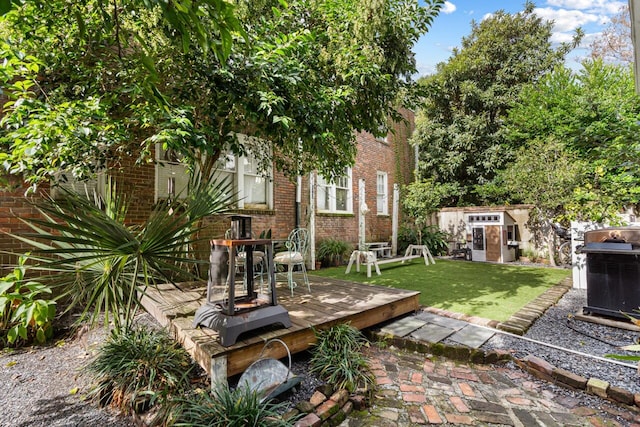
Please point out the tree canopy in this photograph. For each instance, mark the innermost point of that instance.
(91, 82)
(592, 118)
(614, 44)
(460, 127)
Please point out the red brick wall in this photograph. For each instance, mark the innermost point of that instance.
(13, 206)
(396, 158)
(137, 182)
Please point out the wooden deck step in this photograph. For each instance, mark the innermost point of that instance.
(330, 302)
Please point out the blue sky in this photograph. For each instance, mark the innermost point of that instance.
(454, 22)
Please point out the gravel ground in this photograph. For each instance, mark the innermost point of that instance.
(45, 386)
(558, 327)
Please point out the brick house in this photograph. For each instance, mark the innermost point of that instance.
(276, 203)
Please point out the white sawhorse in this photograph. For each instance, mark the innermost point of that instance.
(412, 252)
(369, 259)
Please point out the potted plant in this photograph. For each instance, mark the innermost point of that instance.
(331, 252)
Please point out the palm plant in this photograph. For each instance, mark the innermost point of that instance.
(105, 266)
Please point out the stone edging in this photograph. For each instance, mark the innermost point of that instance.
(595, 386)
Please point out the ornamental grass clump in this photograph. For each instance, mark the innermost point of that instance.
(224, 407)
(338, 359)
(139, 368)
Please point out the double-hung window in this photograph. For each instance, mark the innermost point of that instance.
(382, 194)
(89, 187)
(253, 186)
(172, 176)
(335, 196)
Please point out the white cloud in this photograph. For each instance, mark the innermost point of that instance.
(567, 20)
(588, 38)
(424, 69)
(561, 38)
(486, 16)
(607, 7)
(448, 8)
(573, 4)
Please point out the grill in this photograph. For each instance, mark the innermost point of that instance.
(613, 271)
(233, 304)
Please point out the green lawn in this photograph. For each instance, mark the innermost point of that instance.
(492, 291)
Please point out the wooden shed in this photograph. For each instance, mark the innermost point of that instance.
(492, 236)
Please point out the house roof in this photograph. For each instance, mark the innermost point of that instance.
(501, 208)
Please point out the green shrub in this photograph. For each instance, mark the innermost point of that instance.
(332, 252)
(338, 359)
(432, 237)
(226, 408)
(24, 316)
(137, 368)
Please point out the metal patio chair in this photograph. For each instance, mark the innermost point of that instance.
(297, 244)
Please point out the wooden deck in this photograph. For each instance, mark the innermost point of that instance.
(330, 302)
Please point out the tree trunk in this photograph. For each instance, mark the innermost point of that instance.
(550, 240)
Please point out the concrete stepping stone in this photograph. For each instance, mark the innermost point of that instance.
(432, 333)
(472, 336)
(448, 322)
(403, 327)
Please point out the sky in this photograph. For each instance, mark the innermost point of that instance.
(454, 22)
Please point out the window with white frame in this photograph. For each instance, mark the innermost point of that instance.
(335, 196)
(382, 194)
(385, 133)
(88, 187)
(252, 186)
(172, 176)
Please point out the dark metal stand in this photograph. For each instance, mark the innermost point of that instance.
(230, 315)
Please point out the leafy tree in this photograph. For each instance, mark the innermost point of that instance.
(615, 44)
(423, 198)
(594, 112)
(460, 127)
(544, 174)
(91, 82)
(579, 146)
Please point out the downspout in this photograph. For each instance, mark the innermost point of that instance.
(298, 213)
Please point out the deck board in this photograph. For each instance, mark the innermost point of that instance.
(330, 302)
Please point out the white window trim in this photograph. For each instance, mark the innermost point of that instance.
(180, 172)
(332, 195)
(85, 187)
(384, 138)
(238, 177)
(385, 195)
(167, 169)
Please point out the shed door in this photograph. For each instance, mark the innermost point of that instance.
(493, 242)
